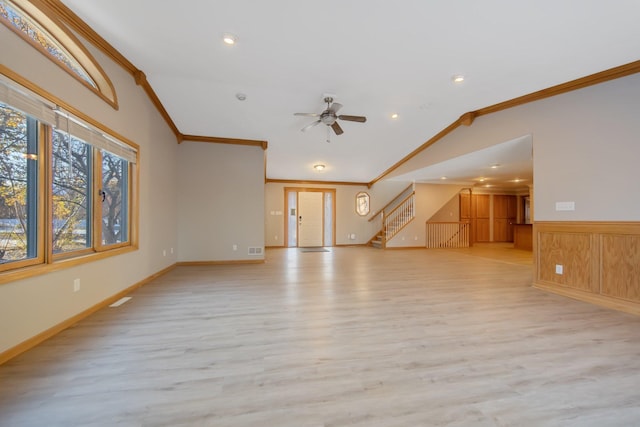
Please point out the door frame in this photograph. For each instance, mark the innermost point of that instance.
(288, 190)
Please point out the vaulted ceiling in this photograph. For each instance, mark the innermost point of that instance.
(378, 57)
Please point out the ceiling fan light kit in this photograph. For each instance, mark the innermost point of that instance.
(329, 117)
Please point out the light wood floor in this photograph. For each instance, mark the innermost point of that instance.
(350, 337)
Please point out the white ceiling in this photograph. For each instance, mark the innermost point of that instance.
(377, 56)
(506, 166)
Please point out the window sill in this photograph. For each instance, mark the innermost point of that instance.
(40, 269)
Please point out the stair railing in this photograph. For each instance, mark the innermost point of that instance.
(447, 235)
(400, 216)
(392, 204)
(394, 216)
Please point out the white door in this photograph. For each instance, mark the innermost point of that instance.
(310, 214)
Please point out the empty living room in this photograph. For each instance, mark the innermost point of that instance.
(362, 213)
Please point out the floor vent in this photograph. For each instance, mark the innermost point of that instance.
(120, 301)
(255, 251)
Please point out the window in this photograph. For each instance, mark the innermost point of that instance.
(49, 36)
(71, 193)
(362, 203)
(66, 187)
(19, 182)
(114, 194)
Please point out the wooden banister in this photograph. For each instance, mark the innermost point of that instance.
(390, 203)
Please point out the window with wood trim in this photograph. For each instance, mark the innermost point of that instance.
(65, 186)
(39, 27)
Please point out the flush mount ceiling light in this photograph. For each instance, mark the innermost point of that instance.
(229, 39)
(458, 78)
(319, 167)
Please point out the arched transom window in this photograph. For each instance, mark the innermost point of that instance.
(42, 30)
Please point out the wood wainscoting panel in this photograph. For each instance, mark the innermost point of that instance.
(621, 266)
(573, 251)
(600, 261)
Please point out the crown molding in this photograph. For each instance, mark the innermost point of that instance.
(313, 182)
(467, 118)
(220, 140)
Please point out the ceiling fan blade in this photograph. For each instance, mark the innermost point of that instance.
(310, 125)
(360, 119)
(307, 114)
(336, 128)
(335, 107)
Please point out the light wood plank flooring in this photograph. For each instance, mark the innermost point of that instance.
(350, 337)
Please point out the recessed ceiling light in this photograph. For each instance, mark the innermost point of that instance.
(443, 177)
(481, 179)
(517, 180)
(394, 116)
(458, 78)
(241, 96)
(319, 167)
(229, 39)
(495, 166)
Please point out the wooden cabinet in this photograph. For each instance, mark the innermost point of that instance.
(482, 203)
(504, 217)
(478, 210)
(522, 236)
(465, 207)
(482, 230)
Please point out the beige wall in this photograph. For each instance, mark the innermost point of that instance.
(221, 201)
(30, 306)
(430, 198)
(347, 220)
(585, 150)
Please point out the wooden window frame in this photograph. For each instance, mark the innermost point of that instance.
(45, 261)
(46, 20)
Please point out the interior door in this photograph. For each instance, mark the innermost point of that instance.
(310, 215)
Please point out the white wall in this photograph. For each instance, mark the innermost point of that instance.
(221, 201)
(585, 150)
(30, 306)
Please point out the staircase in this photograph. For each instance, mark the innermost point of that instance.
(394, 217)
(378, 240)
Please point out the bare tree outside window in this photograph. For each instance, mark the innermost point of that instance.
(114, 199)
(71, 191)
(17, 182)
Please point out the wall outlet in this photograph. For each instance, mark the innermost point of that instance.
(235, 247)
(171, 250)
(565, 206)
(276, 237)
(164, 252)
(76, 285)
(559, 269)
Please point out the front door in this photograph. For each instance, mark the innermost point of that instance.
(310, 215)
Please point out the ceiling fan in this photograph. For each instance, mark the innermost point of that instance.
(329, 117)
